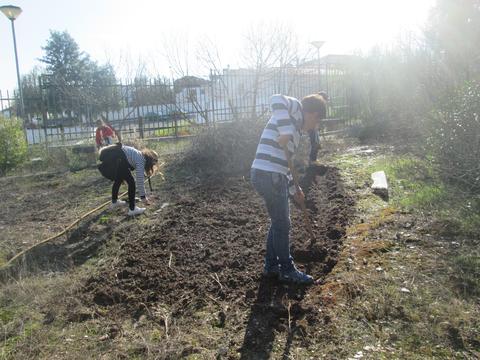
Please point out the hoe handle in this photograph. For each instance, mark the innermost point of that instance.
(150, 184)
(306, 218)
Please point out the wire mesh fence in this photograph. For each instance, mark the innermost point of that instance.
(57, 113)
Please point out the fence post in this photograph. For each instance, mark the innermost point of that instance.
(20, 112)
(176, 125)
(212, 95)
(43, 102)
(62, 132)
(44, 122)
(139, 116)
(140, 126)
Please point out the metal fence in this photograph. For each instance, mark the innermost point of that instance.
(151, 108)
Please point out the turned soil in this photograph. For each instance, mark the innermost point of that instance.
(207, 246)
(199, 247)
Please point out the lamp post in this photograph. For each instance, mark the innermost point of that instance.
(318, 45)
(12, 13)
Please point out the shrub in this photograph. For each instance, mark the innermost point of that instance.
(455, 138)
(387, 91)
(224, 149)
(13, 146)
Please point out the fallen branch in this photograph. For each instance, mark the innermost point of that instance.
(216, 278)
(212, 298)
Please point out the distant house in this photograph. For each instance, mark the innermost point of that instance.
(336, 60)
(187, 82)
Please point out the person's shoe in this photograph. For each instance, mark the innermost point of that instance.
(136, 211)
(295, 276)
(117, 204)
(271, 272)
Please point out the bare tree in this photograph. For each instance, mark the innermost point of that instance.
(208, 55)
(269, 50)
(178, 54)
(270, 45)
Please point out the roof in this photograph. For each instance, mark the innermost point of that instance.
(334, 59)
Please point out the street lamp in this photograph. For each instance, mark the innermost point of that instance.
(318, 45)
(12, 13)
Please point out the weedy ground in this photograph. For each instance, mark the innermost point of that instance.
(397, 278)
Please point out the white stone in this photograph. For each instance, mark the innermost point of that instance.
(380, 185)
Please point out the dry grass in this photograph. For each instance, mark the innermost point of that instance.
(395, 291)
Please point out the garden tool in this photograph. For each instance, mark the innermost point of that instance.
(306, 219)
(150, 184)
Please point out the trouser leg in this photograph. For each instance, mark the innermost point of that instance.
(131, 190)
(273, 188)
(314, 144)
(279, 212)
(124, 174)
(115, 189)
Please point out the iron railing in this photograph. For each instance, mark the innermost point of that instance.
(58, 113)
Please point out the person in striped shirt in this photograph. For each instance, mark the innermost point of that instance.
(117, 162)
(274, 177)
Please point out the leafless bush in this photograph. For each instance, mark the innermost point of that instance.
(389, 93)
(455, 138)
(224, 149)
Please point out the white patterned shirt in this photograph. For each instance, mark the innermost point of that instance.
(137, 161)
(286, 119)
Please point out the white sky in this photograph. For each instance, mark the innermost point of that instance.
(108, 28)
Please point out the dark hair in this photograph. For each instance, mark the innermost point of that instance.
(315, 103)
(324, 95)
(102, 119)
(151, 159)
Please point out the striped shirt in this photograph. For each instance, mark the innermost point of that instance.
(137, 161)
(286, 119)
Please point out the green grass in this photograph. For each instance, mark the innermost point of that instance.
(103, 219)
(23, 305)
(28, 332)
(6, 315)
(467, 269)
(415, 185)
(184, 127)
(439, 317)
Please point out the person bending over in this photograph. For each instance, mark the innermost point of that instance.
(117, 162)
(274, 177)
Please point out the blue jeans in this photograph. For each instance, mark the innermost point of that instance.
(273, 187)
